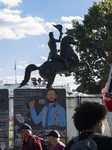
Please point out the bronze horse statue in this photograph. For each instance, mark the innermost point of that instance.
(49, 69)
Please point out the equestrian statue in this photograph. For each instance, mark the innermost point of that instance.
(63, 63)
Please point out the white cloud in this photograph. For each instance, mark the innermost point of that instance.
(38, 65)
(0, 69)
(22, 62)
(43, 57)
(22, 66)
(25, 65)
(50, 25)
(20, 78)
(11, 79)
(42, 46)
(70, 18)
(67, 25)
(11, 3)
(12, 26)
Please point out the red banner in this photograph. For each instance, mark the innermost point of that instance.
(108, 101)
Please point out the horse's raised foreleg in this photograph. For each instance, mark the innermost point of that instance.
(79, 64)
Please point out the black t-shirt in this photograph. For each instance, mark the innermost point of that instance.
(103, 142)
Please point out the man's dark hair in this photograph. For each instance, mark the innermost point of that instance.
(51, 89)
(88, 114)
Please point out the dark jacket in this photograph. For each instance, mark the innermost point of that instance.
(36, 143)
(103, 142)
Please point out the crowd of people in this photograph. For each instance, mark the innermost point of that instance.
(87, 118)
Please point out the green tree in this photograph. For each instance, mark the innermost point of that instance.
(95, 37)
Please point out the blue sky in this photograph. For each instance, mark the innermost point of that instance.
(24, 28)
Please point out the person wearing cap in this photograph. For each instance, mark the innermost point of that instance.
(54, 139)
(26, 133)
(51, 114)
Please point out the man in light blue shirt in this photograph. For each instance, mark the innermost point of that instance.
(51, 114)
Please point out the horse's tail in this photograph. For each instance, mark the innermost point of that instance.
(28, 71)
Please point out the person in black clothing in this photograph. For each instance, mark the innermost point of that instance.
(88, 119)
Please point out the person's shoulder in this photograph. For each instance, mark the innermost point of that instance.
(45, 107)
(69, 144)
(59, 105)
(103, 142)
(35, 138)
(52, 39)
(103, 137)
(34, 142)
(62, 108)
(61, 144)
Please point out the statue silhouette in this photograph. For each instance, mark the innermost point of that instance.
(64, 63)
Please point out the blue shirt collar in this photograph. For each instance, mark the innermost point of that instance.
(54, 105)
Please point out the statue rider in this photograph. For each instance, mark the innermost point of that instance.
(53, 49)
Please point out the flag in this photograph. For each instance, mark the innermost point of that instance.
(15, 72)
(15, 66)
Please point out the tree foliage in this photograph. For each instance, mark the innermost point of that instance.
(95, 37)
